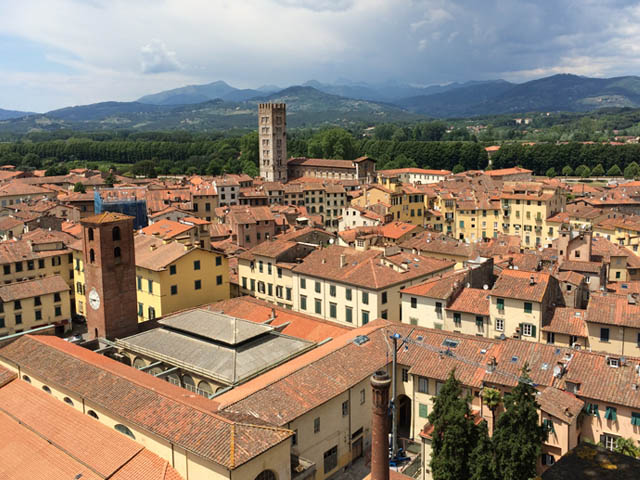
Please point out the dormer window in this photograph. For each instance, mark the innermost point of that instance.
(613, 362)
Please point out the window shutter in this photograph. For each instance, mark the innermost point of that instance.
(521, 325)
(424, 410)
(533, 330)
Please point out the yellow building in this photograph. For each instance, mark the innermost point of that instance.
(35, 303)
(172, 276)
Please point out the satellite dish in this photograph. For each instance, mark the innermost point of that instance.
(331, 241)
(485, 287)
(557, 370)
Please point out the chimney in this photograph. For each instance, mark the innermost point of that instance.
(343, 260)
(532, 280)
(380, 382)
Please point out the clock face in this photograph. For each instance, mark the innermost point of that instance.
(94, 299)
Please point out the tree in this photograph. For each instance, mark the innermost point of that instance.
(110, 180)
(518, 436)
(458, 168)
(454, 432)
(627, 446)
(145, 168)
(79, 187)
(492, 399)
(614, 171)
(482, 462)
(583, 171)
(598, 170)
(567, 171)
(632, 170)
(551, 172)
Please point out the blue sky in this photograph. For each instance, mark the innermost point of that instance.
(71, 52)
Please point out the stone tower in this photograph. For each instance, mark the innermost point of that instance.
(110, 275)
(272, 134)
(380, 382)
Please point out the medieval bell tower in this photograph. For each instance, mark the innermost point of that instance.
(110, 275)
(272, 134)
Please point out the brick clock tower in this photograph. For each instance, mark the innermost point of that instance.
(110, 275)
(272, 134)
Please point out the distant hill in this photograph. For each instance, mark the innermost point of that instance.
(200, 93)
(563, 92)
(7, 114)
(306, 107)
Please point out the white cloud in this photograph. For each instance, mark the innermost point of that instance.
(156, 58)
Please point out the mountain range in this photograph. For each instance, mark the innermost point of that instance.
(220, 106)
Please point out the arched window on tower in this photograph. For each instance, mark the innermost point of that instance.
(90, 234)
(92, 256)
(116, 252)
(115, 233)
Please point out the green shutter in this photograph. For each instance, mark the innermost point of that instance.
(424, 410)
(611, 414)
(635, 418)
(533, 330)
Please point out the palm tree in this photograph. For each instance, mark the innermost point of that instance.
(492, 399)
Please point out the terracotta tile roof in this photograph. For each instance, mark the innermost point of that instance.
(8, 223)
(395, 230)
(506, 171)
(52, 440)
(569, 321)
(105, 217)
(565, 406)
(517, 284)
(624, 288)
(6, 376)
(441, 287)
(33, 288)
(438, 243)
(321, 162)
(167, 228)
(589, 267)
(296, 324)
(471, 300)
(612, 309)
(153, 254)
(419, 171)
(14, 188)
(20, 250)
(369, 269)
(142, 400)
(270, 248)
(571, 277)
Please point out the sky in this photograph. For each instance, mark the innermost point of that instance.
(73, 52)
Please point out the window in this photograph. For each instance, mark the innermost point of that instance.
(6, 269)
(152, 313)
(139, 279)
(172, 269)
(423, 410)
(316, 425)
(332, 290)
(37, 302)
(18, 318)
(288, 293)
(39, 314)
(28, 380)
(551, 338)
(480, 323)
(303, 283)
(269, 268)
(591, 409)
(330, 459)
(261, 287)
(528, 330)
(303, 302)
(218, 261)
(30, 265)
(500, 304)
(365, 298)
(17, 305)
(528, 307)
(363, 397)
(423, 385)
(384, 297)
(348, 314)
(384, 314)
(348, 293)
(174, 289)
(68, 401)
(56, 298)
(92, 257)
(414, 302)
(140, 309)
(547, 459)
(405, 374)
(345, 408)
(318, 306)
(457, 319)
(58, 311)
(218, 279)
(90, 233)
(115, 234)
(46, 389)
(196, 264)
(123, 429)
(365, 317)
(608, 441)
(439, 386)
(279, 270)
(117, 253)
(604, 335)
(611, 414)
(635, 419)
(19, 266)
(547, 424)
(253, 284)
(333, 310)
(197, 285)
(294, 438)
(317, 287)
(613, 362)
(150, 286)
(2, 325)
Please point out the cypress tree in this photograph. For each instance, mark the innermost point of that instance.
(454, 433)
(482, 462)
(518, 436)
